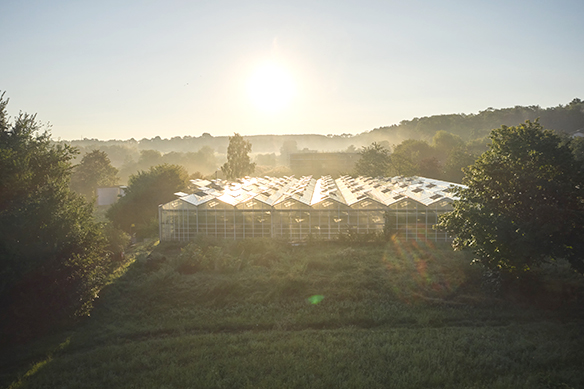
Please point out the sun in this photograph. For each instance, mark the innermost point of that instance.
(271, 88)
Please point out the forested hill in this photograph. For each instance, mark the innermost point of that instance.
(564, 118)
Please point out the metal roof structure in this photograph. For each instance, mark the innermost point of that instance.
(310, 191)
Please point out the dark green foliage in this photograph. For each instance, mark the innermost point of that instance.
(95, 170)
(445, 142)
(194, 258)
(53, 255)
(374, 161)
(117, 240)
(456, 161)
(577, 147)
(137, 211)
(524, 202)
(238, 163)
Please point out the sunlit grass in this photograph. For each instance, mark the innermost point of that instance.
(518, 356)
(403, 315)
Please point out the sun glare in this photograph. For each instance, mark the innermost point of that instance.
(271, 88)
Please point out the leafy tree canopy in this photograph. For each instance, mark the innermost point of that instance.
(524, 202)
(445, 142)
(53, 253)
(577, 147)
(456, 162)
(374, 161)
(146, 190)
(238, 162)
(406, 157)
(95, 170)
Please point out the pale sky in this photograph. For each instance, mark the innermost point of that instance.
(137, 69)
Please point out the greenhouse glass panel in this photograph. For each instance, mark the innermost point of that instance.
(295, 208)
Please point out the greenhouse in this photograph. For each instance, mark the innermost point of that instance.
(298, 208)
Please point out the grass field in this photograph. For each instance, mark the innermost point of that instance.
(265, 314)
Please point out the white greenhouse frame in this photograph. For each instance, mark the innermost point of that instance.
(298, 208)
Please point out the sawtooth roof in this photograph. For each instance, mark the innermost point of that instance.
(310, 191)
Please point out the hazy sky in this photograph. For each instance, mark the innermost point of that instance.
(137, 69)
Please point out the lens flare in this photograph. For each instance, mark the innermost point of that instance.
(317, 298)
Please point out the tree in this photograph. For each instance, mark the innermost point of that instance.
(238, 163)
(202, 160)
(146, 190)
(430, 168)
(266, 159)
(444, 143)
(577, 147)
(94, 170)
(523, 203)
(288, 147)
(457, 161)
(146, 160)
(373, 161)
(406, 157)
(53, 255)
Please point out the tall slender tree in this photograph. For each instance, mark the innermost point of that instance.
(238, 162)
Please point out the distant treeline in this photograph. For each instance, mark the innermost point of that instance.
(563, 118)
(206, 153)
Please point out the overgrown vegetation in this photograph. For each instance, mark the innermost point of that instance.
(137, 211)
(54, 257)
(387, 314)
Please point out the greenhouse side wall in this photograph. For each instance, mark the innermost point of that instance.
(406, 220)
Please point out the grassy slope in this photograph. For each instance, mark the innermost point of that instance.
(397, 315)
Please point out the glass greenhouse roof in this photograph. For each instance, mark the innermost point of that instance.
(310, 191)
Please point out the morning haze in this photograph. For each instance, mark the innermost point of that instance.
(111, 71)
(300, 194)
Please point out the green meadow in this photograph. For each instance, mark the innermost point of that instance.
(344, 314)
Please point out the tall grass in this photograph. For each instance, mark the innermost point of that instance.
(240, 314)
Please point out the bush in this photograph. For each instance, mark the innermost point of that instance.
(118, 240)
(354, 238)
(136, 212)
(552, 284)
(193, 259)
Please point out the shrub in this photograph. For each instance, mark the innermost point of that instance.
(193, 259)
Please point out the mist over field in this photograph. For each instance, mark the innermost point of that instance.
(299, 194)
(206, 153)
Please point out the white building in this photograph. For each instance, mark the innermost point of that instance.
(109, 195)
